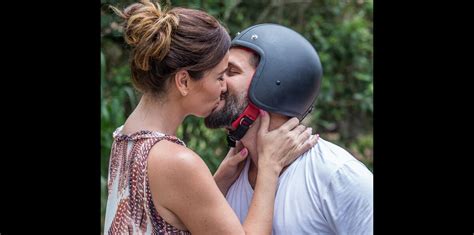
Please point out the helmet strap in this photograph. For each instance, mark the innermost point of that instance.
(242, 124)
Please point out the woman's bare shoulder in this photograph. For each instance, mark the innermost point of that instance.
(169, 157)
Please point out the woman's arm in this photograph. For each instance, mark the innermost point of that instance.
(181, 182)
(230, 168)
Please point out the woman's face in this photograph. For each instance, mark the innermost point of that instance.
(206, 93)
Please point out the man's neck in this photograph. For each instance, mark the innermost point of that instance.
(249, 141)
(252, 174)
(253, 170)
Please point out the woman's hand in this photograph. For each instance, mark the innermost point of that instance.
(230, 167)
(280, 147)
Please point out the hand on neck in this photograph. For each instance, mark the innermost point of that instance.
(250, 142)
(250, 138)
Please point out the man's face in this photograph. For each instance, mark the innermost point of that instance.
(238, 77)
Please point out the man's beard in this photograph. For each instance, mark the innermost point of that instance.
(234, 106)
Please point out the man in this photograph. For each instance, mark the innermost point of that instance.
(326, 190)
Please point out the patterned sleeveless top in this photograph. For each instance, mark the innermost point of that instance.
(130, 208)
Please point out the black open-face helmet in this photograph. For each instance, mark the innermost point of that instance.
(288, 77)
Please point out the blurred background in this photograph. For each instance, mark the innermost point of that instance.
(342, 33)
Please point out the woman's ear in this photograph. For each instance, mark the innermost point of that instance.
(182, 82)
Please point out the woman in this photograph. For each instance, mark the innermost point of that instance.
(161, 187)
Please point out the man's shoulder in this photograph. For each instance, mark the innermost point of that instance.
(325, 159)
(327, 155)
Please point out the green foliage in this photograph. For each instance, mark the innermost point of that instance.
(341, 32)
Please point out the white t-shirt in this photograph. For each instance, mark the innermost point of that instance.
(325, 191)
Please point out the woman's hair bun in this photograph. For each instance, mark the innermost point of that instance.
(148, 29)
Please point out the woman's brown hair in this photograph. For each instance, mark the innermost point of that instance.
(165, 41)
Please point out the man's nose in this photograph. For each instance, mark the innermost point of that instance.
(224, 84)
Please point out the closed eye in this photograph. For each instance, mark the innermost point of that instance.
(232, 72)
